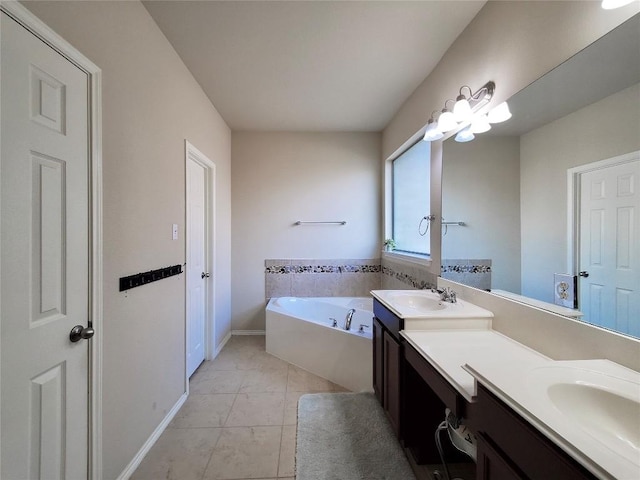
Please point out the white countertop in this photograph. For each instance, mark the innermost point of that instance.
(466, 351)
(449, 350)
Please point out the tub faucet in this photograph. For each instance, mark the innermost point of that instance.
(347, 322)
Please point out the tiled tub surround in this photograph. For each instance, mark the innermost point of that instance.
(400, 275)
(321, 278)
(473, 272)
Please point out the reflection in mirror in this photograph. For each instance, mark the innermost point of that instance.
(555, 191)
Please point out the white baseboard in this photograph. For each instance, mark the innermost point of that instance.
(128, 471)
(219, 348)
(248, 332)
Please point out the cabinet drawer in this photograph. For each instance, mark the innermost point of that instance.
(443, 389)
(522, 444)
(390, 321)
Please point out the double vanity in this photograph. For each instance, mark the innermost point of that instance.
(532, 416)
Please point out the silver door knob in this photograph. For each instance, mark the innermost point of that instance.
(584, 274)
(205, 275)
(81, 333)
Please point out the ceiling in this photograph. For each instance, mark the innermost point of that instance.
(311, 65)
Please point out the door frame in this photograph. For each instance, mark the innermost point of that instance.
(192, 154)
(94, 74)
(574, 177)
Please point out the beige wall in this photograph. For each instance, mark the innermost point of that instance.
(279, 178)
(605, 129)
(151, 104)
(481, 187)
(512, 43)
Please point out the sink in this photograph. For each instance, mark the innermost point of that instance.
(603, 405)
(417, 301)
(426, 305)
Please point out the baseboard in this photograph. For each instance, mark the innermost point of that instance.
(248, 332)
(219, 348)
(128, 471)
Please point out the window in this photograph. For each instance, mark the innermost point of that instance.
(411, 175)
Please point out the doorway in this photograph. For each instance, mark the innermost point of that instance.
(51, 254)
(607, 216)
(200, 268)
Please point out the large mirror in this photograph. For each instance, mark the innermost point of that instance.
(528, 205)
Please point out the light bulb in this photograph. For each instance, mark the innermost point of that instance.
(462, 110)
(446, 121)
(465, 135)
(499, 114)
(611, 4)
(480, 125)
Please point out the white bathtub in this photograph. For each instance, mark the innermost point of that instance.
(299, 330)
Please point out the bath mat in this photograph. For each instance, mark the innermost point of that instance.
(346, 436)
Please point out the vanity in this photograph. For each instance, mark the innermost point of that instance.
(533, 417)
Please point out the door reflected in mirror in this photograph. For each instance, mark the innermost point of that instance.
(554, 191)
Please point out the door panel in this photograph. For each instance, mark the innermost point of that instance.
(609, 235)
(45, 254)
(196, 264)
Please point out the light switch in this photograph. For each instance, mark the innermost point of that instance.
(174, 231)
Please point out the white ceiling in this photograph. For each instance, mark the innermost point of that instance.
(311, 65)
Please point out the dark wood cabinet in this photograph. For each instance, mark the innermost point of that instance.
(387, 364)
(378, 360)
(509, 445)
(392, 387)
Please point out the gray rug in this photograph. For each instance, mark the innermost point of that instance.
(346, 436)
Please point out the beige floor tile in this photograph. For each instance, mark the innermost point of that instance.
(287, 463)
(259, 381)
(255, 409)
(216, 381)
(291, 408)
(245, 452)
(204, 411)
(179, 454)
(300, 380)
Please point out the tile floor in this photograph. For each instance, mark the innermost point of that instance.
(239, 421)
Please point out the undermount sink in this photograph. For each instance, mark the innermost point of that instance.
(417, 301)
(602, 405)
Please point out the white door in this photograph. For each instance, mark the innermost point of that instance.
(45, 259)
(609, 259)
(198, 273)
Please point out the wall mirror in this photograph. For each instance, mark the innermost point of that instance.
(509, 197)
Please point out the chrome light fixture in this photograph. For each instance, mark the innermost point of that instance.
(480, 124)
(463, 113)
(432, 133)
(499, 114)
(462, 109)
(447, 120)
(465, 135)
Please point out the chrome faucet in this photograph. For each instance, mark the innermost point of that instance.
(347, 322)
(448, 295)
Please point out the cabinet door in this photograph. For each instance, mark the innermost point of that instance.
(491, 465)
(378, 361)
(392, 381)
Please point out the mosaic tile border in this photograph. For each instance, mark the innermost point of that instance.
(466, 268)
(288, 269)
(407, 279)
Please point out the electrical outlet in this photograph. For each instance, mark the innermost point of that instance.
(174, 231)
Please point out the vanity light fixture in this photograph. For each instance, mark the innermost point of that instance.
(480, 124)
(446, 121)
(611, 4)
(432, 133)
(465, 135)
(499, 114)
(462, 109)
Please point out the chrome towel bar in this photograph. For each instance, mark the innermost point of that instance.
(336, 222)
